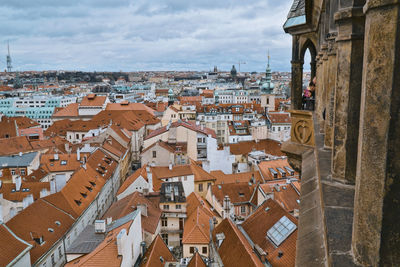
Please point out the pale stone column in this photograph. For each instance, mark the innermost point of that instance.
(319, 93)
(297, 84)
(330, 92)
(376, 234)
(350, 21)
(297, 76)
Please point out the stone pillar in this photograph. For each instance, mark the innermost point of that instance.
(297, 84)
(319, 93)
(297, 76)
(330, 80)
(376, 234)
(350, 40)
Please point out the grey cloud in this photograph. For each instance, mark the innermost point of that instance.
(145, 34)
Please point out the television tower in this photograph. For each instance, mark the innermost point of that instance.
(9, 67)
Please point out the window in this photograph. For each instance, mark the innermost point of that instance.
(164, 222)
(166, 207)
(208, 185)
(12, 172)
(243, 209)
(22, 171)
(154, 154)
(279, 128)
(281, 230)
(192, 250)
(44, 264)
(178, 207)
(165, 238)
(204, 250)
(53, 260)
(63, 162)
(77, 136)
(200, 187)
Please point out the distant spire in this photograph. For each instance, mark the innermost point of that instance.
(268, 57)
(9, 66)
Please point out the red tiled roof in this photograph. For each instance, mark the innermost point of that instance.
(235, 249)
(93, 100)
(269, 146)
(156, 250)
(257, 226)
(196, 261)
(187, 124)
(10, 246)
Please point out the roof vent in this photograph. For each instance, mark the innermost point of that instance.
(51, 230)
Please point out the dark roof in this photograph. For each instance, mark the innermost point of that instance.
(172, 192)
(297, 9)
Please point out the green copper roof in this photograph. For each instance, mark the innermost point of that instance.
(295, 21)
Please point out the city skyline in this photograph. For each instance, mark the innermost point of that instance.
(127, 36)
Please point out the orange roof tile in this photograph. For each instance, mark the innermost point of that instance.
(64, 163)
(93, 100)
(69, 111)
(10, 245)
(264, 167)
(156, 250)
(129, 204)
(196, 261)
(36, 221)
(271, 147)
(140, 172)
(15, 145)
(105, 254)
(257, 226)
(33, 188)
(130, 106)
(197, 228)
(235, 249)
(237, 192)
(222, 178)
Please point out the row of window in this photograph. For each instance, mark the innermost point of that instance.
(177, 206)
(279, 128)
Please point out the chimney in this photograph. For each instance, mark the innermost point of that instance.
(100, 226)
(170, 166)
(121, 241)
(1, 210)
(84, 166)
(52, 186)
(78, 155)
(18, 182)
(143, 208)
(150, 179)
(44, 192)
(109, 220)
(56, 156)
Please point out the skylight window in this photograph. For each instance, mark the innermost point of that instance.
(281, 230)
(63, 162)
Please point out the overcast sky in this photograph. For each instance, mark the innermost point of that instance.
(131, 35)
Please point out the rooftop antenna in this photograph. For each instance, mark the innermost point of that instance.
(241, 62)
(9, 66)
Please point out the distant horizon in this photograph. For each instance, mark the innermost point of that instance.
(133, 36)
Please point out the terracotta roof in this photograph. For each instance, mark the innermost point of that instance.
(235, 249)
(200, 174)
(58, 128)
(34, 188)
(222, 178)
(130, 106)
(196, 261)
(279, 117)
(125, 119)
(36, 175)
(93, 100)
(105, 254)
(8, 125)
(54, 142)
(129, 204)
(64, 163)
(257, 226)
(15, 145)
(171, 147)
(10, 245)
(265, 166)
(237, 192)
(194, 200)
(271, 147)
(197, 227)
(287, 197)
(69, 111)
(83, 126)
(156, 250)
(84, 185)
(187, 124)
(139, 172)
(157, 106)
(40, 220)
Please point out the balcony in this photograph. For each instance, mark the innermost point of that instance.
(326, 205)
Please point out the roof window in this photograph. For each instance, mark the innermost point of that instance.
(281, 230)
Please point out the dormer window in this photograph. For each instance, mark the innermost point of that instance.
(89, 188)
(93, 183)
(78, 202)
(84, 195)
